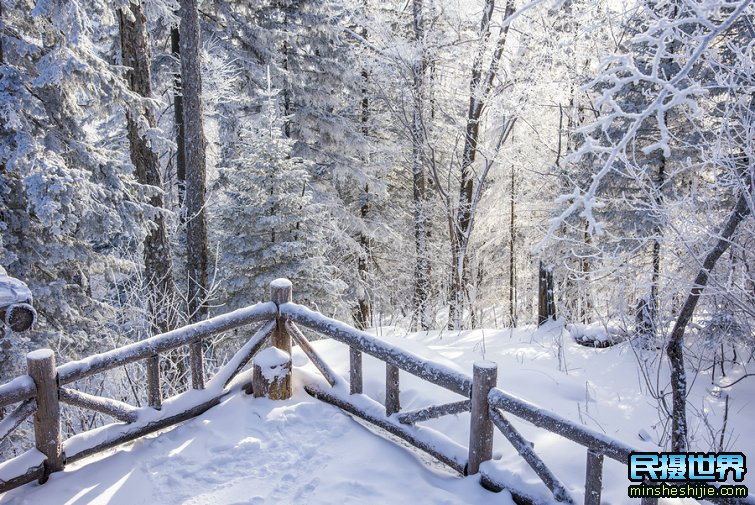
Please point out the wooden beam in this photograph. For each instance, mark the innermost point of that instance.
(434, 411)
(133, 432)
(434, 373)
(18, 416)
(243, 355)
(17, 390)
(76, 370)
(315, 358)
(196, 359)
(543, 419)
(41, 367)
(524, 448)
(113, 408)
(403, 432)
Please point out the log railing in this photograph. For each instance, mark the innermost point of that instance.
(41, 392)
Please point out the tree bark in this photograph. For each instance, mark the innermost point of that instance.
(178, 119)
(194, 149)
(158, 271)
(675, 348)
(512, 236)
(419, 194)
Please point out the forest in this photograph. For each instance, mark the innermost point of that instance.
(439, 165)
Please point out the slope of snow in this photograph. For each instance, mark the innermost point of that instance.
(249, 451)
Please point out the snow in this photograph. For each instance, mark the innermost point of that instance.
(40, 354)
(272, 362)
(281, 283)
(248, 450)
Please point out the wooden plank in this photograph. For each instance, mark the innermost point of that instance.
(392, 390)
(315, 358)
(541, 418)
(434, 411)
(41, 367)
(154, 390)
(403, 432)
(435, 373)
(593, 477)
(524, 448)
(114, 408)
(355, 371)
(17, 390)
(485, 375)
(18, 416)
(76, 370)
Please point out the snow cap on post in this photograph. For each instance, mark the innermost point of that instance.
(281, 291)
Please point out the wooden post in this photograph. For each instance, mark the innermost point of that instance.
(593, 477)
(196, 357)
(154, 392)
(355, 371)
(281, 291)
(392, 400)
(41, 367)
(271, 374)
(484, 377)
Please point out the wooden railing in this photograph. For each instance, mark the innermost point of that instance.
(41, 392)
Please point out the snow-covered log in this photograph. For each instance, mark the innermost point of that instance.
(76, 370)
(18, 416)
(19, 389)
(432, 372)
(432, 442)
(524, 448)
(315, 358)
(108, 406)
(541, 418)
(434, 411)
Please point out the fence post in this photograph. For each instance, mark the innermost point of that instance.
(593, 477)
(154, 391)
(281, 291)
(392, 390)
(484, 376)
(355, 371)
(41, 367)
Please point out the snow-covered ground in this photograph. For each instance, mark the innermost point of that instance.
(249, 451)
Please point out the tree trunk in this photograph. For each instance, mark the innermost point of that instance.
(422, 266)
(675, 348)
(194, 149)
(178, 119)
(479, 91)
(546, 305)
(363, 311)
(158, 272)
(512, 236)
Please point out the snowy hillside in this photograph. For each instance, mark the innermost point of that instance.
(255, 451)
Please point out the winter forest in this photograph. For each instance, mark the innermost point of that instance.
(429, 165)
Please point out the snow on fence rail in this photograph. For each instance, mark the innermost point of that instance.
(40, 393)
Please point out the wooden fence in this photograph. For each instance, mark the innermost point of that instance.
(41, 391)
